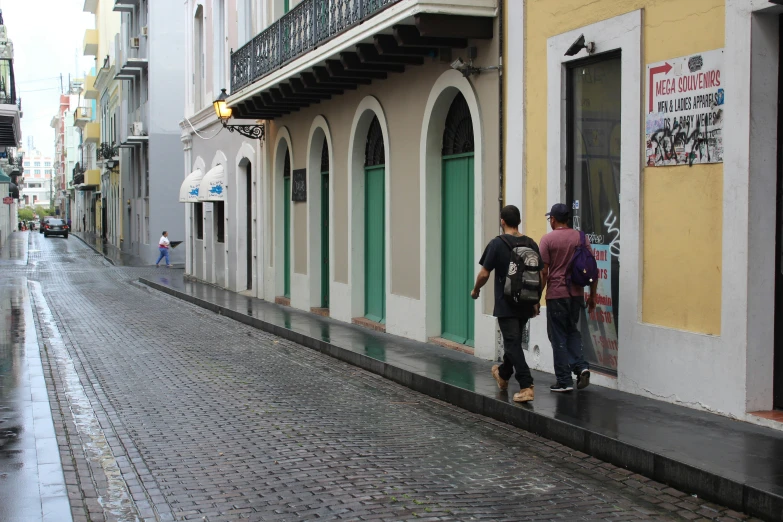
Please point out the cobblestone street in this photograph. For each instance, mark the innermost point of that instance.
(166, 411)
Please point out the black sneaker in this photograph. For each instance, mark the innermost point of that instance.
(583, 381)
(561, 388)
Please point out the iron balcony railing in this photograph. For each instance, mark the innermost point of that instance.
(305, 27)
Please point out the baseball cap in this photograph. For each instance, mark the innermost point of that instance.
(560, 212)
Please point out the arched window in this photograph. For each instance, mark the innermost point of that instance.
(374, 153)
(458, 135)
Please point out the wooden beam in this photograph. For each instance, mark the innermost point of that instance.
(338, 70)
(288, 93)
(269, 102)
(369, 54)
(298, 86)
(352, 62)
(447, 26)
(280, 100)
(322, 75)
(311, 82)
(408, 36)
(387, 46)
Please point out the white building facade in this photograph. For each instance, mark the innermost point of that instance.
(38, 188)
(148, 62)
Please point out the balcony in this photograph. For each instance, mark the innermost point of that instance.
(90, 6)
(92, 133)
(321, 48)
(125, 6)
(10, 107)
(91, 42)
(82, 116)
(90, 91)
(91, 178)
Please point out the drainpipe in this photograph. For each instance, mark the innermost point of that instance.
(501, 162)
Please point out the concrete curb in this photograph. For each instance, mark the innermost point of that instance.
(755, 501)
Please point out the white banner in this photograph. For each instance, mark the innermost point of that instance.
(685, 102)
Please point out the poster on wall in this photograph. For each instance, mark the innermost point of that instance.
(685, 110)
(601, 322)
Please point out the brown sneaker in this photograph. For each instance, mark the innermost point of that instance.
(502, 383)
(526, 395)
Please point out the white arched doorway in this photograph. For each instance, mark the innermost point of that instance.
(319, 168)
(452, 87)
(281, 244)
(369, 168)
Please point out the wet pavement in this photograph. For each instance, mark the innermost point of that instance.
(32, 485)
(166, 411)
(111, 253)
(736, 463)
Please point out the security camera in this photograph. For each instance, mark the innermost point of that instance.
(458, 64)
(578, 45)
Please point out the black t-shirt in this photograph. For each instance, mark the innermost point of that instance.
(496, 257)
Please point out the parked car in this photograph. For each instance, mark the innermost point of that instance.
(55, 227)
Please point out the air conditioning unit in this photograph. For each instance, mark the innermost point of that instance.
(144, 31)
(137, 129)
(134, 42)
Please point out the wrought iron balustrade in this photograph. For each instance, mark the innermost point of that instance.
(305, 27)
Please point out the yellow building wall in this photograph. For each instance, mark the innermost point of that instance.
(682, 220)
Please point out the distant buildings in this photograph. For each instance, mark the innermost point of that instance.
(10, 136)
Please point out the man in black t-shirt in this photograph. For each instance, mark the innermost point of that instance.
(511, 318)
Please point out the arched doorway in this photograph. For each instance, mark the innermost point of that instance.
(287, 225)
(374, 225)
(325, 225)
(457, 259)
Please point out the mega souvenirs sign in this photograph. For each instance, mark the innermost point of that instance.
(685, 110)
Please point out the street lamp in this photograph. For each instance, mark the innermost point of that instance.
(224, 112)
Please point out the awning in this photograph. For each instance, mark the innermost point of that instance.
(188, 192)
(213, 186)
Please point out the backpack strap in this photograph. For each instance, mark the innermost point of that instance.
(582, 238)
(510, 247)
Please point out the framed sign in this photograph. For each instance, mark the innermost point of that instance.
(299, 185)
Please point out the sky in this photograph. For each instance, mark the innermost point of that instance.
(47, 36)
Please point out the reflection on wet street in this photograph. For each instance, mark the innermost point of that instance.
(32, 486)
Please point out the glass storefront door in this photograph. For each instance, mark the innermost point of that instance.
(593, 191)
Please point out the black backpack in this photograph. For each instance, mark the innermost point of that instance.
(523, 279)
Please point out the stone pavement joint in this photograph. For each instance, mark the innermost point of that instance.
(210, 419)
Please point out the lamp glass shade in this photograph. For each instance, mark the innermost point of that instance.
(222, 110)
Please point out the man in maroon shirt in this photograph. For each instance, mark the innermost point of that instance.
(564, 302)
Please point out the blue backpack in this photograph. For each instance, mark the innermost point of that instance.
(584, 269)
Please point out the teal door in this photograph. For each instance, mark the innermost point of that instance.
(287, 236)
(325, 239)
(457, 249)
(374, 244)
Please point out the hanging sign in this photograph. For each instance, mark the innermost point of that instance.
(685, 110)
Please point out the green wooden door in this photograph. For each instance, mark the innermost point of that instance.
(325, 239)
(287, 236)
(457, 249)
(286, 6)
(374, 245)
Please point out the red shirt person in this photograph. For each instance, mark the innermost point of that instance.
(564, 302)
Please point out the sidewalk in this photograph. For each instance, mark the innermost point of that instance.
(736, 464)
(31, 472)
(112, 254)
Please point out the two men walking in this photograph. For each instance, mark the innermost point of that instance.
(564, 300)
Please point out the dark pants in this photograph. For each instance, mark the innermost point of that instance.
(562, 326)
(513, 355)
